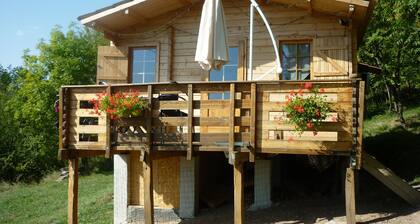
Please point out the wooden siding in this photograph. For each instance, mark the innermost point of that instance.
(331, 43)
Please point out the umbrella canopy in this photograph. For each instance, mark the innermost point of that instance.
(212, 49)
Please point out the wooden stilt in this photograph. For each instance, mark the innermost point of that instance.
(148, 189)
(73, 190)
(238, 192)
(350, 197)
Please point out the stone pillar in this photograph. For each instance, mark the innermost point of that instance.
(121, 163)
(188, 205)
(262, 184)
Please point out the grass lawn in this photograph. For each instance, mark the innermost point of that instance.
(394, 146)
(46, 202)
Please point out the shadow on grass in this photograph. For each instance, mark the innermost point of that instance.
(398, 149)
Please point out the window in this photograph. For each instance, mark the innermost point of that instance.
(296, 61)
(143, 65)
(229, 72)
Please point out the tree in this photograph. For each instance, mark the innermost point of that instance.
(392, 42)
(30, 149)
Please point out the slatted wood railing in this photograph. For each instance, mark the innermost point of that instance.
(187, 117)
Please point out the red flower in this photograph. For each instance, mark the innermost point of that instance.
(317, 113)
(321, 90)
(309, 125)
(300, 92)
(292, 92)
(308, 85)
(290, 139)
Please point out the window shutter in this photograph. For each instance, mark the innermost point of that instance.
(330, 56)
(112, 64)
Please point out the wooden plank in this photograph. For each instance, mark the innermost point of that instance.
(148, 188)
(232, 118)
(350, 197)
(238, 192)
(60, 119)
(73, 190)
(391, 180)
(190, 121)
(361, 113)
(253, 120)
(149, 120)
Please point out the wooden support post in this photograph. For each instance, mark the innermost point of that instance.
(253, 122)
(108, 129)
(148, 189)
(148, 164)
(73, 190)
(232, 118)
(190, 121)
(361, 113)
(350, 197)
(238, 192)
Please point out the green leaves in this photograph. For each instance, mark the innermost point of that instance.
(28, 122)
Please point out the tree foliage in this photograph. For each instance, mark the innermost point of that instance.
(29, 139)
(392, 42)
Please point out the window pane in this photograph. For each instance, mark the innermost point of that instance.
(230, 73)
(149, 77)
(138, 78)
(286, 75)
(303, 50)
(289, 50)
(293, 75)
(233, 55)
(143, 65)
(289, 63)
(304, 63)
(216, 75)
(150, 55)
(304, 75)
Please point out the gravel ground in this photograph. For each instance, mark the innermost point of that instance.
(322, 210)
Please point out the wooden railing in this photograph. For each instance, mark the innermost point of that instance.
(186, 117)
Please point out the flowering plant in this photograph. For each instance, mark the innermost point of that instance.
(307, 113)
(119, 105)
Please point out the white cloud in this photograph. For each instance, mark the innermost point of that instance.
(20, 33)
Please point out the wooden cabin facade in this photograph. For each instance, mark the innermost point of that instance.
(158, 157)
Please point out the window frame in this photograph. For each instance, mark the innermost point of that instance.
(298, 41)
(130, 61)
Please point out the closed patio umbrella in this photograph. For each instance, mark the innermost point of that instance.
(212, 49)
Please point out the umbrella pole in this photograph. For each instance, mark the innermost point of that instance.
(255, 5)
(251, 41)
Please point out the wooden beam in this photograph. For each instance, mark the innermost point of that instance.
(73, 190)
(361, 115)
(232, 118)
(350, 197)
(190, 121)
(362, 3)
(108, 128)
(149, 119)
(391, 180)
(253, 128)
(148, 188)
(238, 192)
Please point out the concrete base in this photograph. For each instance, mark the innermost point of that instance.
(161, 215)
(121, 163)
(262, 185)
(188, 187)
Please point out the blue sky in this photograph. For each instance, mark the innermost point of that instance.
(24, 22)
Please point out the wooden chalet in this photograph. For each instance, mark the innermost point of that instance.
(161, 159)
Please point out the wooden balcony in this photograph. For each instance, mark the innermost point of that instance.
(184, 119)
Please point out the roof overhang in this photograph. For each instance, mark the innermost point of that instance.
(119, 18)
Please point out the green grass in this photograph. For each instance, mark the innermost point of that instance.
(396, 147)
(46, 202)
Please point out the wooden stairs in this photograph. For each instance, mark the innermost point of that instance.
(391, 180)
